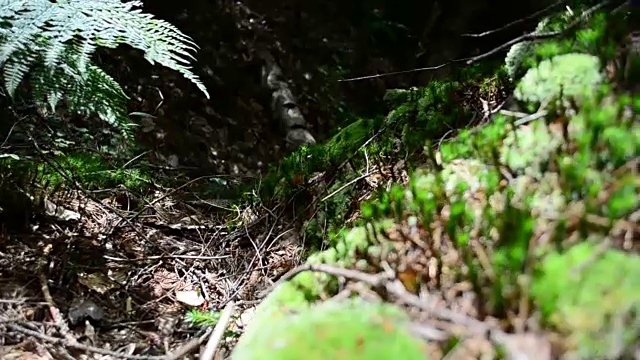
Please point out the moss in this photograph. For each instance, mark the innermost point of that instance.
(600, 312)
(562, 79)
(529, 150)
(349, 139)
(332, 330)
(89, 170)
(518, 54)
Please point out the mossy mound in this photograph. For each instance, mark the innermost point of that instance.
(564, 77)
(307, 287)
(594, 296)
(334, 330)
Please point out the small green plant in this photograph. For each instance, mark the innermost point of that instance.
(89, 171)
(202, 318)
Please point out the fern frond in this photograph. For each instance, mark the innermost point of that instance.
(52, 43)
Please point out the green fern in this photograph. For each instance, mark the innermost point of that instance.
(52, 43)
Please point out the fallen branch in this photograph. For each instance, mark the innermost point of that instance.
(516, 22)
(540, 36)
(470, 60)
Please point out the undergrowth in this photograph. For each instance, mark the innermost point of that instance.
(520, 200)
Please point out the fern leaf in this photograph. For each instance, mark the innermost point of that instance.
(52, 43)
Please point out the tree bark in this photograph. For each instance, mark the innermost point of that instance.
(283, 104)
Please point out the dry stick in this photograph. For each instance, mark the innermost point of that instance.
(10, 131)
(53, 309)
(516, 22)
(221, 326)
(58, 320)
(188, 347)
(373, 280)
(471, 60)
(393, 287)
(78, 346)
(135, 158)
(348, 184)
(403, 71)
(533, 36)
(162, 257)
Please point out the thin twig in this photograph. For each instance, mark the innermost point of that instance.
(188, 347)
(533, 36)
(374, 280)
(394, 287)
(529, 118)
(79, 346)
(218, 332)
(403, 71)
(348, 184)
(9, 133)
(516, 22)
(162, 257)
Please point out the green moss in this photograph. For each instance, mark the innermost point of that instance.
(351, 330)
(564, 78)
(349, 139)
(593, 296)
(88, 170)
(529, 150)
(518, 54)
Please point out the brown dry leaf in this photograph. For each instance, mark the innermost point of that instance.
(98, 282)
(409, 279)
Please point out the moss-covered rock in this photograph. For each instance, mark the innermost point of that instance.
(333, 330)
